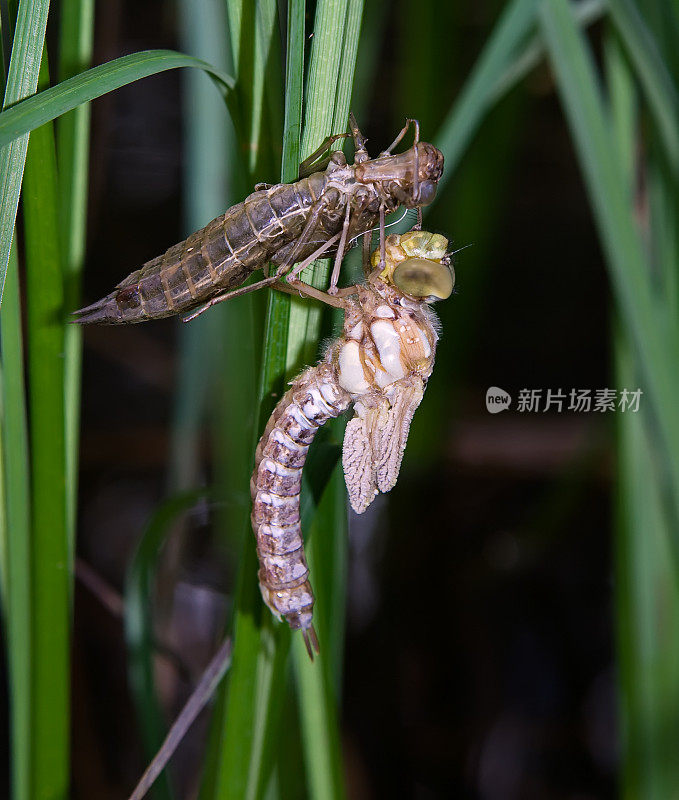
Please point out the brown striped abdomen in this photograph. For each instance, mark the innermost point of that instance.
(314, 398)
(215, 259)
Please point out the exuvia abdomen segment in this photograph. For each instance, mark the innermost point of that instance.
(214, 259)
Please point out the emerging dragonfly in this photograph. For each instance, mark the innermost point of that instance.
(381, 364)
(287, 225)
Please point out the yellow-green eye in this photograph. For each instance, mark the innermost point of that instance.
(420, 277)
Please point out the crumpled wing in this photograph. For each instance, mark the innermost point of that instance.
(393, 437)
(375, 440)
(358, 455)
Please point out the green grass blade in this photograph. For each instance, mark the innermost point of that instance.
(252, 26)
(271, 654)
(368, 56)
(22, 80)
(647, 597)
(656, 81)
(50, 623)
(294, 91)
(207, 175)
(331, 72)
(270, 121)
(257, 681)
(233, 406)
(247, 719)
(345, 79)
(324, 67)
(655, 352)
(663, 235)
(585, 12)
(508, 56)
(247, 734)
(318, 682)
(206, 179)
(15, 122)
(647, 593)
(251, 157)
(69, 94)
(17, 587)
(139, 585)
(630, 492)
(509, 35)
(4, 546)
(328, 551)
(73, 129)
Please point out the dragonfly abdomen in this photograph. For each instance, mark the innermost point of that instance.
(315, 397)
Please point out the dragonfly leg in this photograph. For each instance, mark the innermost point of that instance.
(291, 285)
(418, 225)
(417, 132)
(294, 272)
(340, 252)
(296, 287)
(314, 162)
(402, 133)
(360, 151)
(347, 291)
(317, 209)
(220, 298)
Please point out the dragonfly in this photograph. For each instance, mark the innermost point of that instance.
(286, 225)
(380, 365)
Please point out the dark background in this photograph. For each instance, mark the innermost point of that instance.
(479, 655)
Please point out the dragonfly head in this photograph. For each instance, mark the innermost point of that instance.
(430, 169)
(417, 264)
(394, 176)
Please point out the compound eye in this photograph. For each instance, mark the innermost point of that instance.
(427, 193)
(420, 277)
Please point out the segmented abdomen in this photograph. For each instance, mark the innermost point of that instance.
(314, 398)
(212, 260)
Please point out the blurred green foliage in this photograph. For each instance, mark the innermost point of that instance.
(286, 94)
